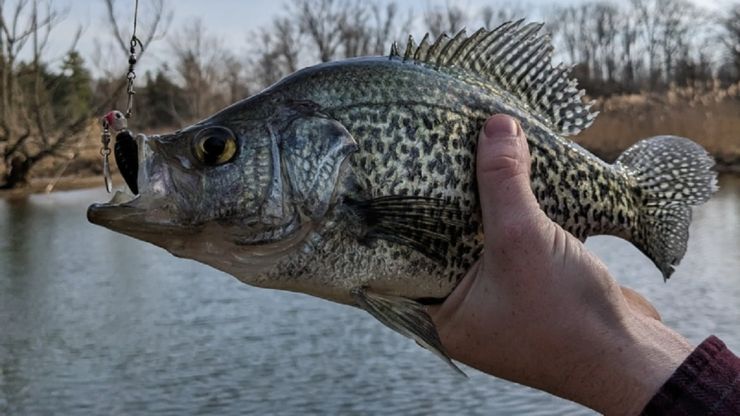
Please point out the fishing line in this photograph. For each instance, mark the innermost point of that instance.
(105, 138)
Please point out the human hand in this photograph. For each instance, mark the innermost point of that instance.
(539, 309)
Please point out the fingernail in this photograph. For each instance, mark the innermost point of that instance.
(501, 126)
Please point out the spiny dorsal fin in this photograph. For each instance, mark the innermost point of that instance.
(516, 58)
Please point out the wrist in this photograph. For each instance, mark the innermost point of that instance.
(641, 355)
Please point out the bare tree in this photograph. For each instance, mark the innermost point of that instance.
(319, 20)
(153, 21)
(642, 44)
(198, 57)
(266, 66)
(324, 30)
(24, 138)
(388, 25)
(664, 26)
(566, 27)
(234, 78)
(628, 40)
(731, 38)
(449, 19)
(277, 51)
(606, 21)
(210, 75)
(679, 19)
(369, 29)
(648, 23)
(30, 128)
(288, 42)
(492, 16)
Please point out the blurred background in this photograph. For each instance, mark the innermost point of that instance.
(653, 66)
(92, 322)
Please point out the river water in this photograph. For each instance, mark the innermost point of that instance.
(92, 322)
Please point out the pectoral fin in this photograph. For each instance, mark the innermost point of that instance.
(405, 316)
(429, 225)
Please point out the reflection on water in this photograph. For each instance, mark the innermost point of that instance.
(96, 323)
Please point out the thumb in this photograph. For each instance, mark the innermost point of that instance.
(503, 165)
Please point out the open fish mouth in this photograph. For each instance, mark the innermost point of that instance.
(131, 215)
(134, 206)
(99, 212)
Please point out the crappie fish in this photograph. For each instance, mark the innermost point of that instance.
(354, 181)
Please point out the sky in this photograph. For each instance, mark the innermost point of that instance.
(229, 20)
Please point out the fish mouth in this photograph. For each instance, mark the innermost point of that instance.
(104, 213)
(137, 213)
(136, 217)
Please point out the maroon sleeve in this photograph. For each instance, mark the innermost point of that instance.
(707, 383)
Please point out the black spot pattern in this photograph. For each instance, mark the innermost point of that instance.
(417, 131)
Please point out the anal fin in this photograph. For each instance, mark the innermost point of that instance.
(405, 316)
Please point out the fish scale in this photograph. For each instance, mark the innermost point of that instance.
(435, 173)
(354, 181)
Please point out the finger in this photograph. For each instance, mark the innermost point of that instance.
(639, 304)
(503, 165)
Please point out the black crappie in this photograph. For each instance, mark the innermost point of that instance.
(354, 181)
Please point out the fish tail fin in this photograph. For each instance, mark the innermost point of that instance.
(671, 174)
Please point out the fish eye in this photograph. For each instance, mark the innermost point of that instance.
(214, 146)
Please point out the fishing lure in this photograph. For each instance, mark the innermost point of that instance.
(118, 122)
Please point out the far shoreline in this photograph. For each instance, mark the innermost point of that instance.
(72, 183)
(65, 183)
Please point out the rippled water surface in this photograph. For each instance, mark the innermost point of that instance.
(92, 322)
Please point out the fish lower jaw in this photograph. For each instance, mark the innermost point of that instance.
(122, 197)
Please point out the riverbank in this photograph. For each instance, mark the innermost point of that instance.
(46, 185)
(708, 114)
